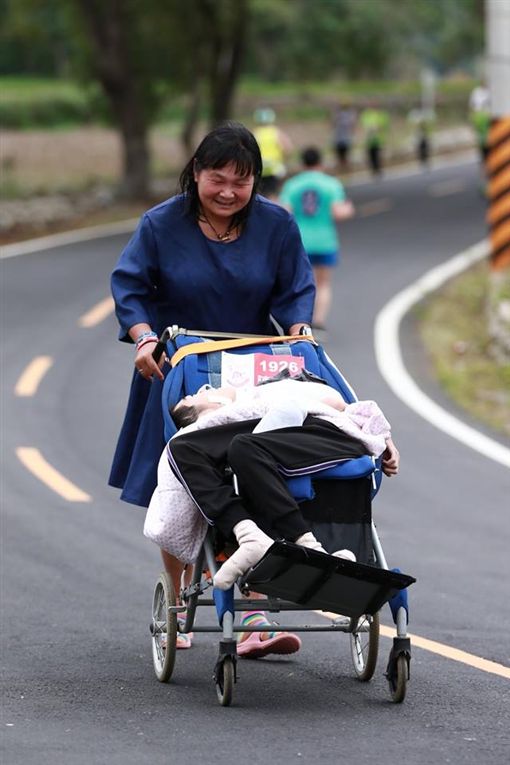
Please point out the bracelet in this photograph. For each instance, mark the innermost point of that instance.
(145, 341)
(141, 337)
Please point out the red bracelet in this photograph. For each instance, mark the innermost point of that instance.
(147, 340)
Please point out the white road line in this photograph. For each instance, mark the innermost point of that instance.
(391, 366)
(68, 237)
(441, 649)
(33, 460)
(446, 188)
(30, 379)
(97, 313)
(374, 207)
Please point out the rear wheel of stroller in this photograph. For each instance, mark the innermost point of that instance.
(163, 628)
(225, 682)
(398, 683)
(365, 646)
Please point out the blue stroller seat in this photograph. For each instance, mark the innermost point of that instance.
(196, 370)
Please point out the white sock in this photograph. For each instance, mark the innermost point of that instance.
(253, 543)
(345, 554)
(308, 540)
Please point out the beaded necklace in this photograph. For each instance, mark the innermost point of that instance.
(221, 237)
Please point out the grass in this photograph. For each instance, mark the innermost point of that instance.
(30, 102)
(453, 328)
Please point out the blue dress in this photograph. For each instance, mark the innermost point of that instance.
(170, 273)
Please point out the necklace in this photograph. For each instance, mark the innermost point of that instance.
(221, 237)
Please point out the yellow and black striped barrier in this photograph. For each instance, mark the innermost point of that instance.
(498, 174)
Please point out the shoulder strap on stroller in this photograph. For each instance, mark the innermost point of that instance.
(223, 345)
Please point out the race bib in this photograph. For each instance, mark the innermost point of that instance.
(245, 370)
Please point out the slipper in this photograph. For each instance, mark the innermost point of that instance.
(254, 647)
(184, 640)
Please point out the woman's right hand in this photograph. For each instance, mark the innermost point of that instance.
(146, 365)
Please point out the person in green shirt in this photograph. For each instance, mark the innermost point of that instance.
(318, 203)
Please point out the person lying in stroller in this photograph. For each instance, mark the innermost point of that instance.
(279, 428)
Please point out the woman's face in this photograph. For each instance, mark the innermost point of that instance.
(222, 191)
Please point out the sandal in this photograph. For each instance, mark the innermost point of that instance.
(255, 647)
(184, 639)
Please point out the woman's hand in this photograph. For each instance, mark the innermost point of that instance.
(146, 365)
(390, 459)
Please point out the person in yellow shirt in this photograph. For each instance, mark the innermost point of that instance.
(275, 146)
(375, 123)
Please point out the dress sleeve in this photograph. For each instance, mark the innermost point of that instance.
(294, 290)
(134, 280)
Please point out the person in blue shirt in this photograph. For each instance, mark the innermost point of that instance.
(318, 202)
(216, 257)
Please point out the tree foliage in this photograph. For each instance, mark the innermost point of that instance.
(143, 52)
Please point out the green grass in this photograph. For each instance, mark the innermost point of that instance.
(23, 89)
(453, 328)
(31, 102)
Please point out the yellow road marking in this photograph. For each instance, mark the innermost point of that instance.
(33, 460)
(374, 208)
(443, 650)
(97, 314)
(29, 380)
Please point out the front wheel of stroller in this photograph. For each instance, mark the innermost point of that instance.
(398, 681)
(365, 646)
(225, 681)
(163, 628)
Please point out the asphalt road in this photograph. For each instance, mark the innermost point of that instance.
(77, 577)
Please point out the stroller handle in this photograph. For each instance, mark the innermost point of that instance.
(174, 331)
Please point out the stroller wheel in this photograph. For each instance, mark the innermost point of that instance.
(398, 681)
(225, 681)
(163, 628)
(365, 646)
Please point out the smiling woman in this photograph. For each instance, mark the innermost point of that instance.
(218, 257)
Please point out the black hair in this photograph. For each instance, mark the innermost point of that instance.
(184, 414)
(311, 157)
(229, 142)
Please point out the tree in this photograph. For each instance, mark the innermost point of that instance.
(138, 49)
(124, 42)
(216, 29)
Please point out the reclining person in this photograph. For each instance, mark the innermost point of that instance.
(288, 426)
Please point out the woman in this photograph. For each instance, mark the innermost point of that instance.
(215, 257)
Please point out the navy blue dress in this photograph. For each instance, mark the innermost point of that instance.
(170, 273)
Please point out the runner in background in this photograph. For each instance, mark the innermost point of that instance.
(375, 123)
(318, 202)
(480, 118)
(275, 146)
(344, 123)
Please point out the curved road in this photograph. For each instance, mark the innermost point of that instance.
(77, 574)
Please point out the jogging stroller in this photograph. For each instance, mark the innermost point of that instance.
(337, 502)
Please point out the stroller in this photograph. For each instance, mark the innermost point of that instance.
(337, 503)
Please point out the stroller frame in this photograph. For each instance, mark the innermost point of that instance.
(363, 627)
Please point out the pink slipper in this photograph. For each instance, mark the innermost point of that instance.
(254, 647)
